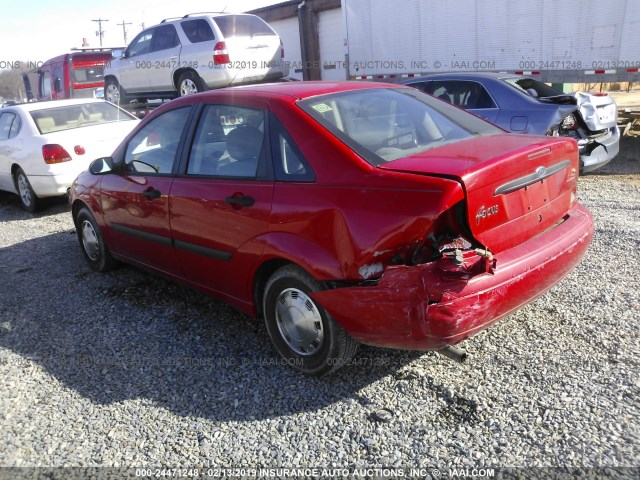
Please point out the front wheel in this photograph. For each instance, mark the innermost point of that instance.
(28, 198)
(113, 92)
(189, 83)
(301, 331)
(91, 242)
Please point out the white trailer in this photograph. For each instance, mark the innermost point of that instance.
(552, 40)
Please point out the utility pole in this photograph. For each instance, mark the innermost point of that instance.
(100, 32)
(124, 30)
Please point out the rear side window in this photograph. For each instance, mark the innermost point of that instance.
(462, 93)
(9, 125)
(197, 30)
(242, 26)
(289, 164)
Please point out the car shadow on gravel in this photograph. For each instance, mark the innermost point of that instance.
(130, 335)
(11, 210)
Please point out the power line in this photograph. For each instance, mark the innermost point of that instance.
(100, 32)
(124, 30)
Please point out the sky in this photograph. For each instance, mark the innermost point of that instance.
(36, 30)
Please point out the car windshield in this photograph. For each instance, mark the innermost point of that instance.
(57, 119)
(242, 26)
(384, 124)
(532, 87)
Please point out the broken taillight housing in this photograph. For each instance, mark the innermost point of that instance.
(569, 122)
(54, 153)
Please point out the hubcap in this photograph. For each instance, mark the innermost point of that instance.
(24, 189)
(113, 93)
(188, 87)
(90, 241)
(299, 322)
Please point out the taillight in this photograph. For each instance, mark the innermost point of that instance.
(54, 153)
(220, 54)
(79, 149)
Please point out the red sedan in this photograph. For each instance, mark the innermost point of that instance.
(342, 213)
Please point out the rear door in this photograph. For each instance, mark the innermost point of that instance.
(221, 202)
(136, 200)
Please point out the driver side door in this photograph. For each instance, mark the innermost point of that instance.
(136, 198)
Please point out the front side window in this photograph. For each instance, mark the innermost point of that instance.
(141, 44)
(229, 143)
(164, 37)
(153, 149)
(385, 124)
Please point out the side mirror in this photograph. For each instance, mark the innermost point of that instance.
(117, 53)
(101, 166)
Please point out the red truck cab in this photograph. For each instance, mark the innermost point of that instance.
(79, 74)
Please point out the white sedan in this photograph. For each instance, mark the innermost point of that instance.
(45, 145)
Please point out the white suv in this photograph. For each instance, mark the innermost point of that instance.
(195, 53)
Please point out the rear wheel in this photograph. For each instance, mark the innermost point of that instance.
(91, 242)
(302, 332)
(28, 198)
(189, 83)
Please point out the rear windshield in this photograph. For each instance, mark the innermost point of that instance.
(384, 124)
(242, 26)
(532, 87)
(74, 116)
(93, 74)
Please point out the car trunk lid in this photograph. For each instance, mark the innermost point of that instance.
(516, 186)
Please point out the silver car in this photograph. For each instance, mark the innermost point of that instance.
(195, 53)
(523, 105)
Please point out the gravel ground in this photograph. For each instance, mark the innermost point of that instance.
(127, 369)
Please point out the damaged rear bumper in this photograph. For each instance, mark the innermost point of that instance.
(424, 307)
(605, 151)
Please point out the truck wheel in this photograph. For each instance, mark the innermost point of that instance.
(28, 198)
(113, 92)
(301, 331)
(189, 83)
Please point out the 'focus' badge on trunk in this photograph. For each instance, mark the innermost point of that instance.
(485, 212)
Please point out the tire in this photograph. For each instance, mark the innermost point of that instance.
(114, 93)
(321, 348)
(189, 83)
(92, 244)
(28, 198)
